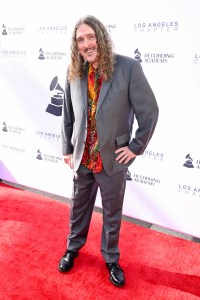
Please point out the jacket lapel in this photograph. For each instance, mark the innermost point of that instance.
(104, 89)
(84, 89)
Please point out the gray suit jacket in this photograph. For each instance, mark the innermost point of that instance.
(127, 95)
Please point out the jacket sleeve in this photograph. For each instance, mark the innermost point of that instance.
(67, 122)
(145, 109)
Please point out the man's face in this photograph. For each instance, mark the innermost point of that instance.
(87, 44)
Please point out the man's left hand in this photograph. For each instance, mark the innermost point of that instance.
(125, 154)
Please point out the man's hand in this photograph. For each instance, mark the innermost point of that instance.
(125, 154)
(68, 159)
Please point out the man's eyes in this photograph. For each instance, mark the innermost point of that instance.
(88, 38)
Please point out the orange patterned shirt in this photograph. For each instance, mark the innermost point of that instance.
(91, 156)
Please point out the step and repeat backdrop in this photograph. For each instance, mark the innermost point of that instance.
(163, 186)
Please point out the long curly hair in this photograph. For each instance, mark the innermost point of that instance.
(106, 55)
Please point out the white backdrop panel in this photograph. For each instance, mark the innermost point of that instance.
(34, 52)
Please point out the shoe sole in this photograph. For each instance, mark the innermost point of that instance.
(117, 284)
(64, 270)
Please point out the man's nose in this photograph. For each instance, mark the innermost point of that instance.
(86, 43)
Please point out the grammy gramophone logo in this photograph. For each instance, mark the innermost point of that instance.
(137, 55)
(41, 54)
(128, 176)
(5, 129)
(55, 107)
(4, 31)
(39, 155)
(188, 162)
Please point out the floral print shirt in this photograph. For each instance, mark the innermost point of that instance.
(91, 156)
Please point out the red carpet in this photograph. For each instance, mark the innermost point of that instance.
(32, 240)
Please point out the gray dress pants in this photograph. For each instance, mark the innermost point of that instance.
(112, 189)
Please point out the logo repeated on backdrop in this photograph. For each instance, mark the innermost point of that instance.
(111, 27)
(150, 155)
(48, 135)
(55, 107)
(128, 175)
(48, 157)
(197, 58)
(147, 180)
(4, 30)
(153, 155)
(52, 29)
(189, 190)
(137, 55)
(17, 30)
(51, 55)
(190, 163)
(39, 155)
(12, 149)
(13, 53)
(156, 26)
(41, 54)
(5, 128)
(12, 129)
(162, 58)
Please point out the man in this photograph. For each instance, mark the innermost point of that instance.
(104, 92)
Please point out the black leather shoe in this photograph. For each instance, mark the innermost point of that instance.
(67, 261)
(116, 274)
